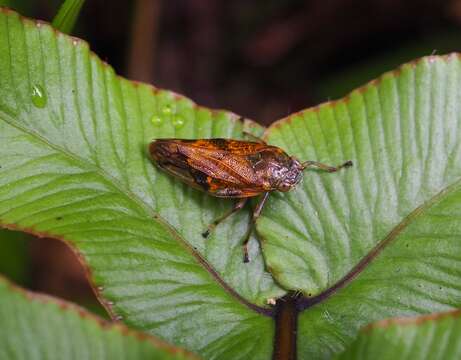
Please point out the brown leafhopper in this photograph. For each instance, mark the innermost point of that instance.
(232, 169)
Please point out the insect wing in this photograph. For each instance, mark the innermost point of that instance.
(218, 166)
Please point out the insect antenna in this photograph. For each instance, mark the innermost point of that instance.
(325, 167)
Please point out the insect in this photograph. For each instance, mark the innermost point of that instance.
(233, 169)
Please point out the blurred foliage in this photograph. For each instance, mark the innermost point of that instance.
(67, 15)
(339, 84)
(31, 8)
(22, 6)
(14, 256)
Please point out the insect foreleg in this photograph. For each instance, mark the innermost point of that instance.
(325, 167)
(238, 205)
(256, 212)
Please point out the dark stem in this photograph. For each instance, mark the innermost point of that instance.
(285, 328)
(142, 54)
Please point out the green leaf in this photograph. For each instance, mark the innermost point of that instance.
(434, 336)
(35, 326)
(402, 135)
(73, 140)
(67, 15)
(381, 239)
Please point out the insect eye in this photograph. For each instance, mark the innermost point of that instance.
(284, 187)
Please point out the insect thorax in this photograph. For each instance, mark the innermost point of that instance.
(280, 171)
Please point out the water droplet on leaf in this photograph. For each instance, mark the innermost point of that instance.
(178, 121)
(156, 120)
(168, 110)
(39, 97)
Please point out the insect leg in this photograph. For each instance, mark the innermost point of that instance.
(254, 138)
(254, 217)
(326, 167)
(259, 206)
(238, 205)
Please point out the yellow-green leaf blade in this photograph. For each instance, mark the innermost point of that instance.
(67, 15)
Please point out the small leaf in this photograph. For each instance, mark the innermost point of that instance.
(380, 239)
(39, 326)
(67, 15)
(434, 336)
(402, 133)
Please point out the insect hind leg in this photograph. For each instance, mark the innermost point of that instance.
(237, 206)
(256, 212)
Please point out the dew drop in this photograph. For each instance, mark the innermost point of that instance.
(178, 121)
(168, 110)
(110, 303)
(156, 120)
(100, 288)
(38, 95)
(118, 317)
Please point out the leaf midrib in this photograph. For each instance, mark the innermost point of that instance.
(9, 119)
(306, 302)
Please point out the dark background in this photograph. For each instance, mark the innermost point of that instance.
(262, 59)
